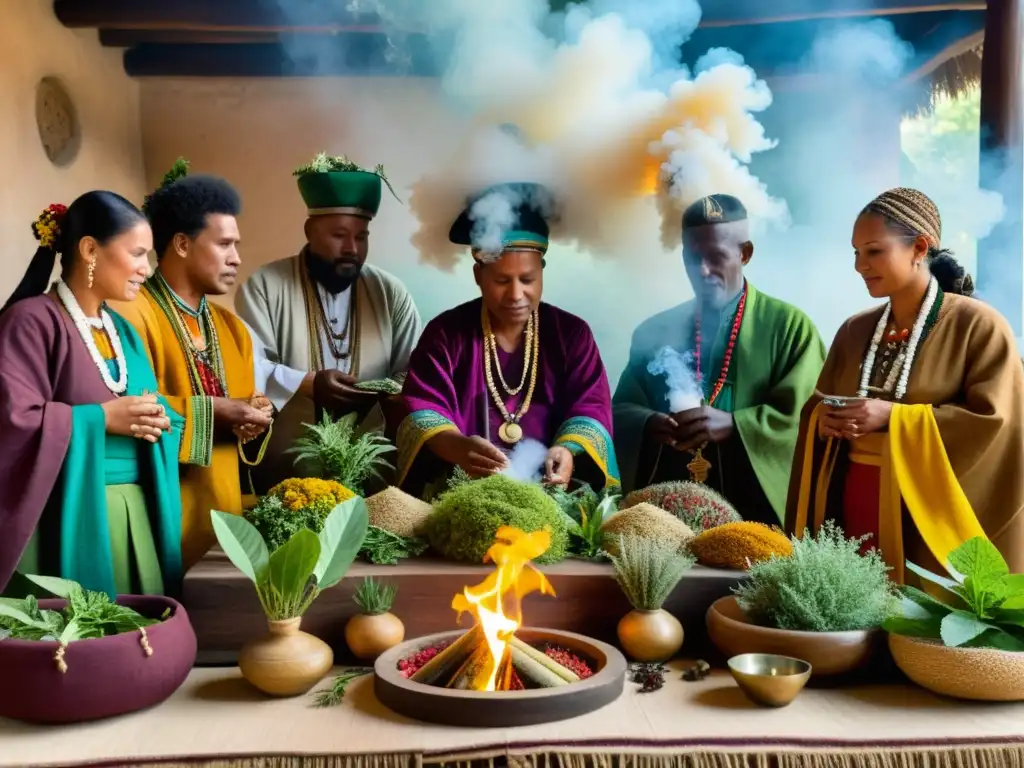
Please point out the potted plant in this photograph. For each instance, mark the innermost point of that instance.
(648, 570)
(84, 656)
(375, 629)
(340, 451)
(970, 643)
(288, 662)
(824, 604)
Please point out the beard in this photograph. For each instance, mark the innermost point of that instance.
(335, 275)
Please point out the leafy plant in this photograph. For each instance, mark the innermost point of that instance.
(648, 570)
(985, 608)
(825, 585)
(338, 450)
(178, 170)
(293, 505)
(290, 579)
(385, 548)
(375, 597)
(587, 511)
(87, 615)
(330, 697)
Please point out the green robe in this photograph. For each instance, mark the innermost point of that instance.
(775, 364)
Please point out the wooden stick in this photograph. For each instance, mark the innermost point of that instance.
(550, 664)
(466, 678)
(530, 671)
(450, 659)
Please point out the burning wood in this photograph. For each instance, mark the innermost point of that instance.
(489, 657)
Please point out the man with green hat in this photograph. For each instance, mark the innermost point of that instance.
(337, 332)
(713, 388)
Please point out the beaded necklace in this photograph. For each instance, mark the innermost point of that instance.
(319, 327)
(510, 431)
(85, 327)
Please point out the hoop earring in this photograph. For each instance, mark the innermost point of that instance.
(92, 272)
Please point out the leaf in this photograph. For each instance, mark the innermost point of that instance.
(960, 627)
(60, 587)
(934, 578)
(292, 564)
(931, 605)
(72, 632)
(914, 611)
(18, 613)
(242, 544)
(340, 540)
(998, 639)
(978, 559)
(1014, 617)
(1013, 589)
(927, 628)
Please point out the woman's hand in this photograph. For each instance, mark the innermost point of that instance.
(860, 417)
(136, 416)
(558, 466)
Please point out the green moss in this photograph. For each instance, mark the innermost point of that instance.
(467, 517)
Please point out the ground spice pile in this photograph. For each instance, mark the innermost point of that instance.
(397, 512)
(646, 521)
(737, 546)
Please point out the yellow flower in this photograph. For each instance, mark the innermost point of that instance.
(300, 492)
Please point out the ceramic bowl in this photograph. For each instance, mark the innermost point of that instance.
(828, 653)
(105, 676)
(768, 679)
(981, 674)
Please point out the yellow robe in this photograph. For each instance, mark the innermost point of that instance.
(210, 471)
(952, 459)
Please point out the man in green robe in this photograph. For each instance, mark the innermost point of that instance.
(713, 388)
(336, 332)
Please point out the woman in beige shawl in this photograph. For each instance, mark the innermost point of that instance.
(915, 433)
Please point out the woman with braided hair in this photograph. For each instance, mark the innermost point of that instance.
(88, 456)
(915, 433)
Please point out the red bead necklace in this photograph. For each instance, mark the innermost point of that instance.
(717, 389)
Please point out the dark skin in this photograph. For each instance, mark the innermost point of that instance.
(714, 257)
(511, 289)
(892, 266)
(342, 241)
(208, 266)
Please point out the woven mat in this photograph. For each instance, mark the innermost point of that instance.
(216, 719)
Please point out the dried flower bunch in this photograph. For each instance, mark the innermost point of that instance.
(648, 570)
(697, 505)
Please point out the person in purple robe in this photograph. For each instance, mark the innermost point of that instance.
(506, 368)
(88, 453)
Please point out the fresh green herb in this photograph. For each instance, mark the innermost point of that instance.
(177, 171)
(323, 163)
(648, 570)
(587, 511)
(330, 697)
(290, 579)
(338, 450)
(386, 548)
(384, 386)
(375, 597)
(276, 523)
(87, 615)
(825, 585)
(985, 608)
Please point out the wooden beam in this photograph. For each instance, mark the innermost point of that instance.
(126, 38)
(328, 15)
(951, 51)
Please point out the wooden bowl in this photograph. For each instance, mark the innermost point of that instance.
(829, 653)
(980, 674)
(488, 709)
(105, 676)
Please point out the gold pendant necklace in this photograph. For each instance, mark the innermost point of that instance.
(699, 467)
(511, 432)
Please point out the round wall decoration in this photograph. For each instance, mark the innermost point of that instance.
(57, 121)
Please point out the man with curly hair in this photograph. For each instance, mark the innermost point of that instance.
(201, 352)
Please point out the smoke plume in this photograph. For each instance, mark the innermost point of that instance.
(526, 461)
(684, 391)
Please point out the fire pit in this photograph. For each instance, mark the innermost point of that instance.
(500, 673)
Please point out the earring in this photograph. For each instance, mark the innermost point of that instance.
(92, 272)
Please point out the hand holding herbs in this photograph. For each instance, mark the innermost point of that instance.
(983, 606)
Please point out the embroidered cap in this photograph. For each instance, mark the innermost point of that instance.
(508, 216)
(714, 209)
(336, 185)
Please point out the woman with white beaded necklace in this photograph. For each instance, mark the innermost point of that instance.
(88, 457)
(915, 434)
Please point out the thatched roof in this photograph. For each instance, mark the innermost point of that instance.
(953, 77)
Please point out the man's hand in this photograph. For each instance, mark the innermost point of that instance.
(862, 417)
(248, 432)
(558, 466)
(336, 392)
(661, 428)
(477, 457)
(697, 426)
(234, 412)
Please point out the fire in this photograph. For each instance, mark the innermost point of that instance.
(513, 578)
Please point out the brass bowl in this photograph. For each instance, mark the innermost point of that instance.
(769, 680)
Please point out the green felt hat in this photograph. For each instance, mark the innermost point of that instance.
(528, 227)
(335, 185)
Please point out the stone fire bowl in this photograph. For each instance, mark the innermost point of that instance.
(502, 709)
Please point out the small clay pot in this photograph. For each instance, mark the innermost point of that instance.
(286, 661)
(369, 636)
(650, 636)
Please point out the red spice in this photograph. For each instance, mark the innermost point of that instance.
(412, 664)
(515, 684)
(569, 660)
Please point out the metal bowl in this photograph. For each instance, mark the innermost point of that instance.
(769, 680)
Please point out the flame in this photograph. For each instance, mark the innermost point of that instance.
(511, 554)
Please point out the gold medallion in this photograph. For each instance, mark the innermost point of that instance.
(698, 467)
(510, 432)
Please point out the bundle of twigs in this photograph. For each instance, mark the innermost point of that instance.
(464, 664)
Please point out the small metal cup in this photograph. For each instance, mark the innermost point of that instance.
(769, 680)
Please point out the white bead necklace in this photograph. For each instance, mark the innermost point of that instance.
(85, 325)
(911, 350)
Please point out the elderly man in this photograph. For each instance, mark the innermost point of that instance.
(506, 367)
(713, 388)
(336, 332)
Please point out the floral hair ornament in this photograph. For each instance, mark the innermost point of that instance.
(46, 228)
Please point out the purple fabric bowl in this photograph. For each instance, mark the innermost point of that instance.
(106, 676)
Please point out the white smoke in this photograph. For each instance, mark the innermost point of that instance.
(526, 461)
(684, 390)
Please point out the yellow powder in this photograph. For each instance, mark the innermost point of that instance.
(737, 546)
(397, 512)
(647, 521)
